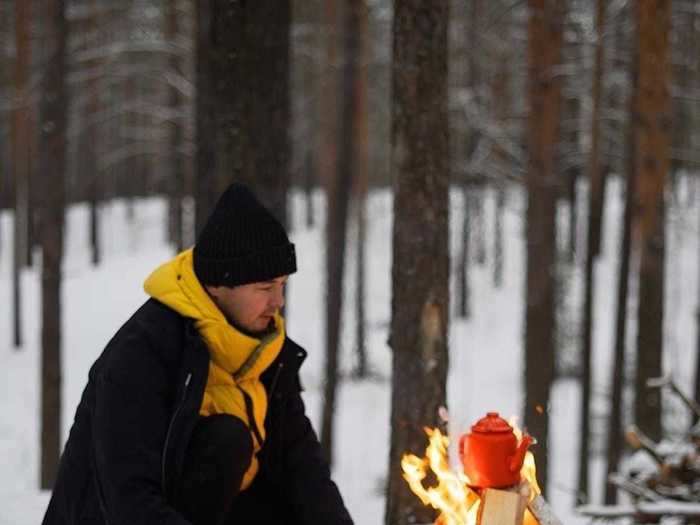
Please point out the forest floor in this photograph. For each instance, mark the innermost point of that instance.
(485, 351)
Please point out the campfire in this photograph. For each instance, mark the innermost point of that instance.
(497, 486)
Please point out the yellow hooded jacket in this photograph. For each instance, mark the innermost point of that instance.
(236, 359)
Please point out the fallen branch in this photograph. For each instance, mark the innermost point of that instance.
(638, 440)
(646, 509)
(667, 381)
(632, 488)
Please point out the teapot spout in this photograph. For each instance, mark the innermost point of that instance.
(517, 459)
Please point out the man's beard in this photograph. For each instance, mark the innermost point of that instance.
(255, 334)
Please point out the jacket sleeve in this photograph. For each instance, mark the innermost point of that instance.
(313, 496)
(131, 418)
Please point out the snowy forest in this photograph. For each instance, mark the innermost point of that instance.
(495, 206)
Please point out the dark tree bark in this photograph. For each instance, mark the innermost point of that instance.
(572, 190)
(52, 163)
(7, 195)
(545, 28)
(478, 224)
(362, 369)
(252, 115)
(361, 189)
(653, 130)
(175, 129)
(328, 169)
(617, 377)
(498, 255)
(569, 149)
(327, 150)
(21, 152)
(93, 177)
(309, 188)
(596, 198)
(463, 309)
(464, 140)
(206, 189)
(338, 190)
(131, 168)
(420, 272)
(501, 96)
(697, 345)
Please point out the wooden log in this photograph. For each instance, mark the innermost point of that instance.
(500, 507)
(638, 440)
(635, 489)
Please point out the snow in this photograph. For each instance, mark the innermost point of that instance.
(485, 351)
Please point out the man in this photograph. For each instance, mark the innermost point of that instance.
(193, 413)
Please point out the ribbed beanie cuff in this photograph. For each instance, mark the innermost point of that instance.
(255, 267)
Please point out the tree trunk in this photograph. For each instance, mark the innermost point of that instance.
(420, 272)
(617, 378)
(92, 173)
(501, 95)
(52, 165)
(175, 129)
(465, 137)
(206, 189)
(7, 78)
(309, 187)
(361, 183)
(252, 102)
(21, 157)
(498, 255)
(545, 28)
(573, 216)
(595, 210)
(463, 263)
(697, 341)
(652, 164)
(478, 224)
(339, 188)
(362, 368)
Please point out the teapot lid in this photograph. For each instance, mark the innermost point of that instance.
(492, 423)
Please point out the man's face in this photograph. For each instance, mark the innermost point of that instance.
(250, 306)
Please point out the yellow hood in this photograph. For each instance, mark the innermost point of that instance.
(236, 359)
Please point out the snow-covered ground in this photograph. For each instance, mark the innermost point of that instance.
(485, 351)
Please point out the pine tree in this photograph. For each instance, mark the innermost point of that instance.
(420, 270)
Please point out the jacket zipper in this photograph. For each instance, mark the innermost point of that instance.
(274, 379)
(170, 429)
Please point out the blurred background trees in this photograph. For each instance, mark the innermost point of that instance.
(549, 100)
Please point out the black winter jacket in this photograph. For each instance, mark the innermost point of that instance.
(125, 452)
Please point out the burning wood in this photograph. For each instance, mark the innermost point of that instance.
(499, 487)
(501, 507)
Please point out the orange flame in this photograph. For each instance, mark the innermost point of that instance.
(457, 503)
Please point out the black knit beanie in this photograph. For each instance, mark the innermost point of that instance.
(242, 242)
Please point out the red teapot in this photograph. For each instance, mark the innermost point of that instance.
(491, 454)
